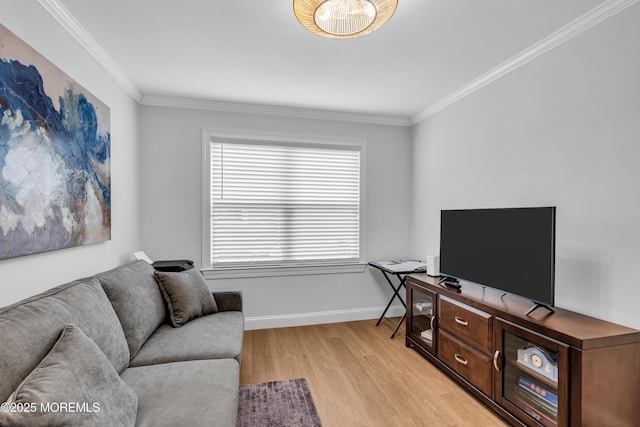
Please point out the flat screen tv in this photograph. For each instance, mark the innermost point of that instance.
(509, 249)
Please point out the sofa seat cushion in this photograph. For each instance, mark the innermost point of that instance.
(31, 327)
(137, 300)
(74, 385)
(195, 393)
(215, 336)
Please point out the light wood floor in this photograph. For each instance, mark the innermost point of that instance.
(360, 377)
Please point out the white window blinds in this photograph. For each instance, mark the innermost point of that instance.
(284, 204)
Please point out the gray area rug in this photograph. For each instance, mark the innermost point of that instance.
(277, 404)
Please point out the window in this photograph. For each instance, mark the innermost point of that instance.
(282, 202)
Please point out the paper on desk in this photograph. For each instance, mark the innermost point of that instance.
(403, 266)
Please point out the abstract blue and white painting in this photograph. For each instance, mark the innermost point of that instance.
(55, 156)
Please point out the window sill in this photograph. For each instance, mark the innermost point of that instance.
(271, 271)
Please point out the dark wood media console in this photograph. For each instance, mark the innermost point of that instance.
(550, 369)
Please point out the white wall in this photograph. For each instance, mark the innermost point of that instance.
(171, 211)
(25, 276)
(562, 130)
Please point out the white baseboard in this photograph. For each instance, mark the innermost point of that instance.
(316, 318)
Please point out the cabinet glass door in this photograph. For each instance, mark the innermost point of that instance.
(533, 379)
(422, 321)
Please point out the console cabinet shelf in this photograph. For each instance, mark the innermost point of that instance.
(560, 369)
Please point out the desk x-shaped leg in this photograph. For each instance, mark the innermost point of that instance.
(402, 278)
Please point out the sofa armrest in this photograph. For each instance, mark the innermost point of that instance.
(228, 299)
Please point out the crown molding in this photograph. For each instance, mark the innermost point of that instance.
(73, 27)
(564, 34)
(569, 31)
(272, 110)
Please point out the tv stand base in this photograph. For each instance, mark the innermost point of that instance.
(537, 306)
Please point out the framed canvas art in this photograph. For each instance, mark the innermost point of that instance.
(55, 156)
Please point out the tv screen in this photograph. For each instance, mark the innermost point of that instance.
(510, 249)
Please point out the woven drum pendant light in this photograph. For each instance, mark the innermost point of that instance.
(340, 19)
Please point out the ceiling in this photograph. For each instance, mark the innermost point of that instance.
(255, 52)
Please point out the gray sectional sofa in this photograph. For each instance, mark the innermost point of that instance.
(130, 346)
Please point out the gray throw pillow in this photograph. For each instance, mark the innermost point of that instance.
(74, 385)
(186, 294)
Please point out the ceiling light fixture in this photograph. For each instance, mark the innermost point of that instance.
(341, 19)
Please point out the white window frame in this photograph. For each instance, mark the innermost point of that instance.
(226, 135)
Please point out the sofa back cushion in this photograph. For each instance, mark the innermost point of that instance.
(137, 300)
(30, 328)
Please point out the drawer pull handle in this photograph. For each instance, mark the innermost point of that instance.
(460, 359)
(460, 321)
(433, 318)
(495, 360)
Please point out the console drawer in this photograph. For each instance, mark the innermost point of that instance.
(467, 323)
(474, 366)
